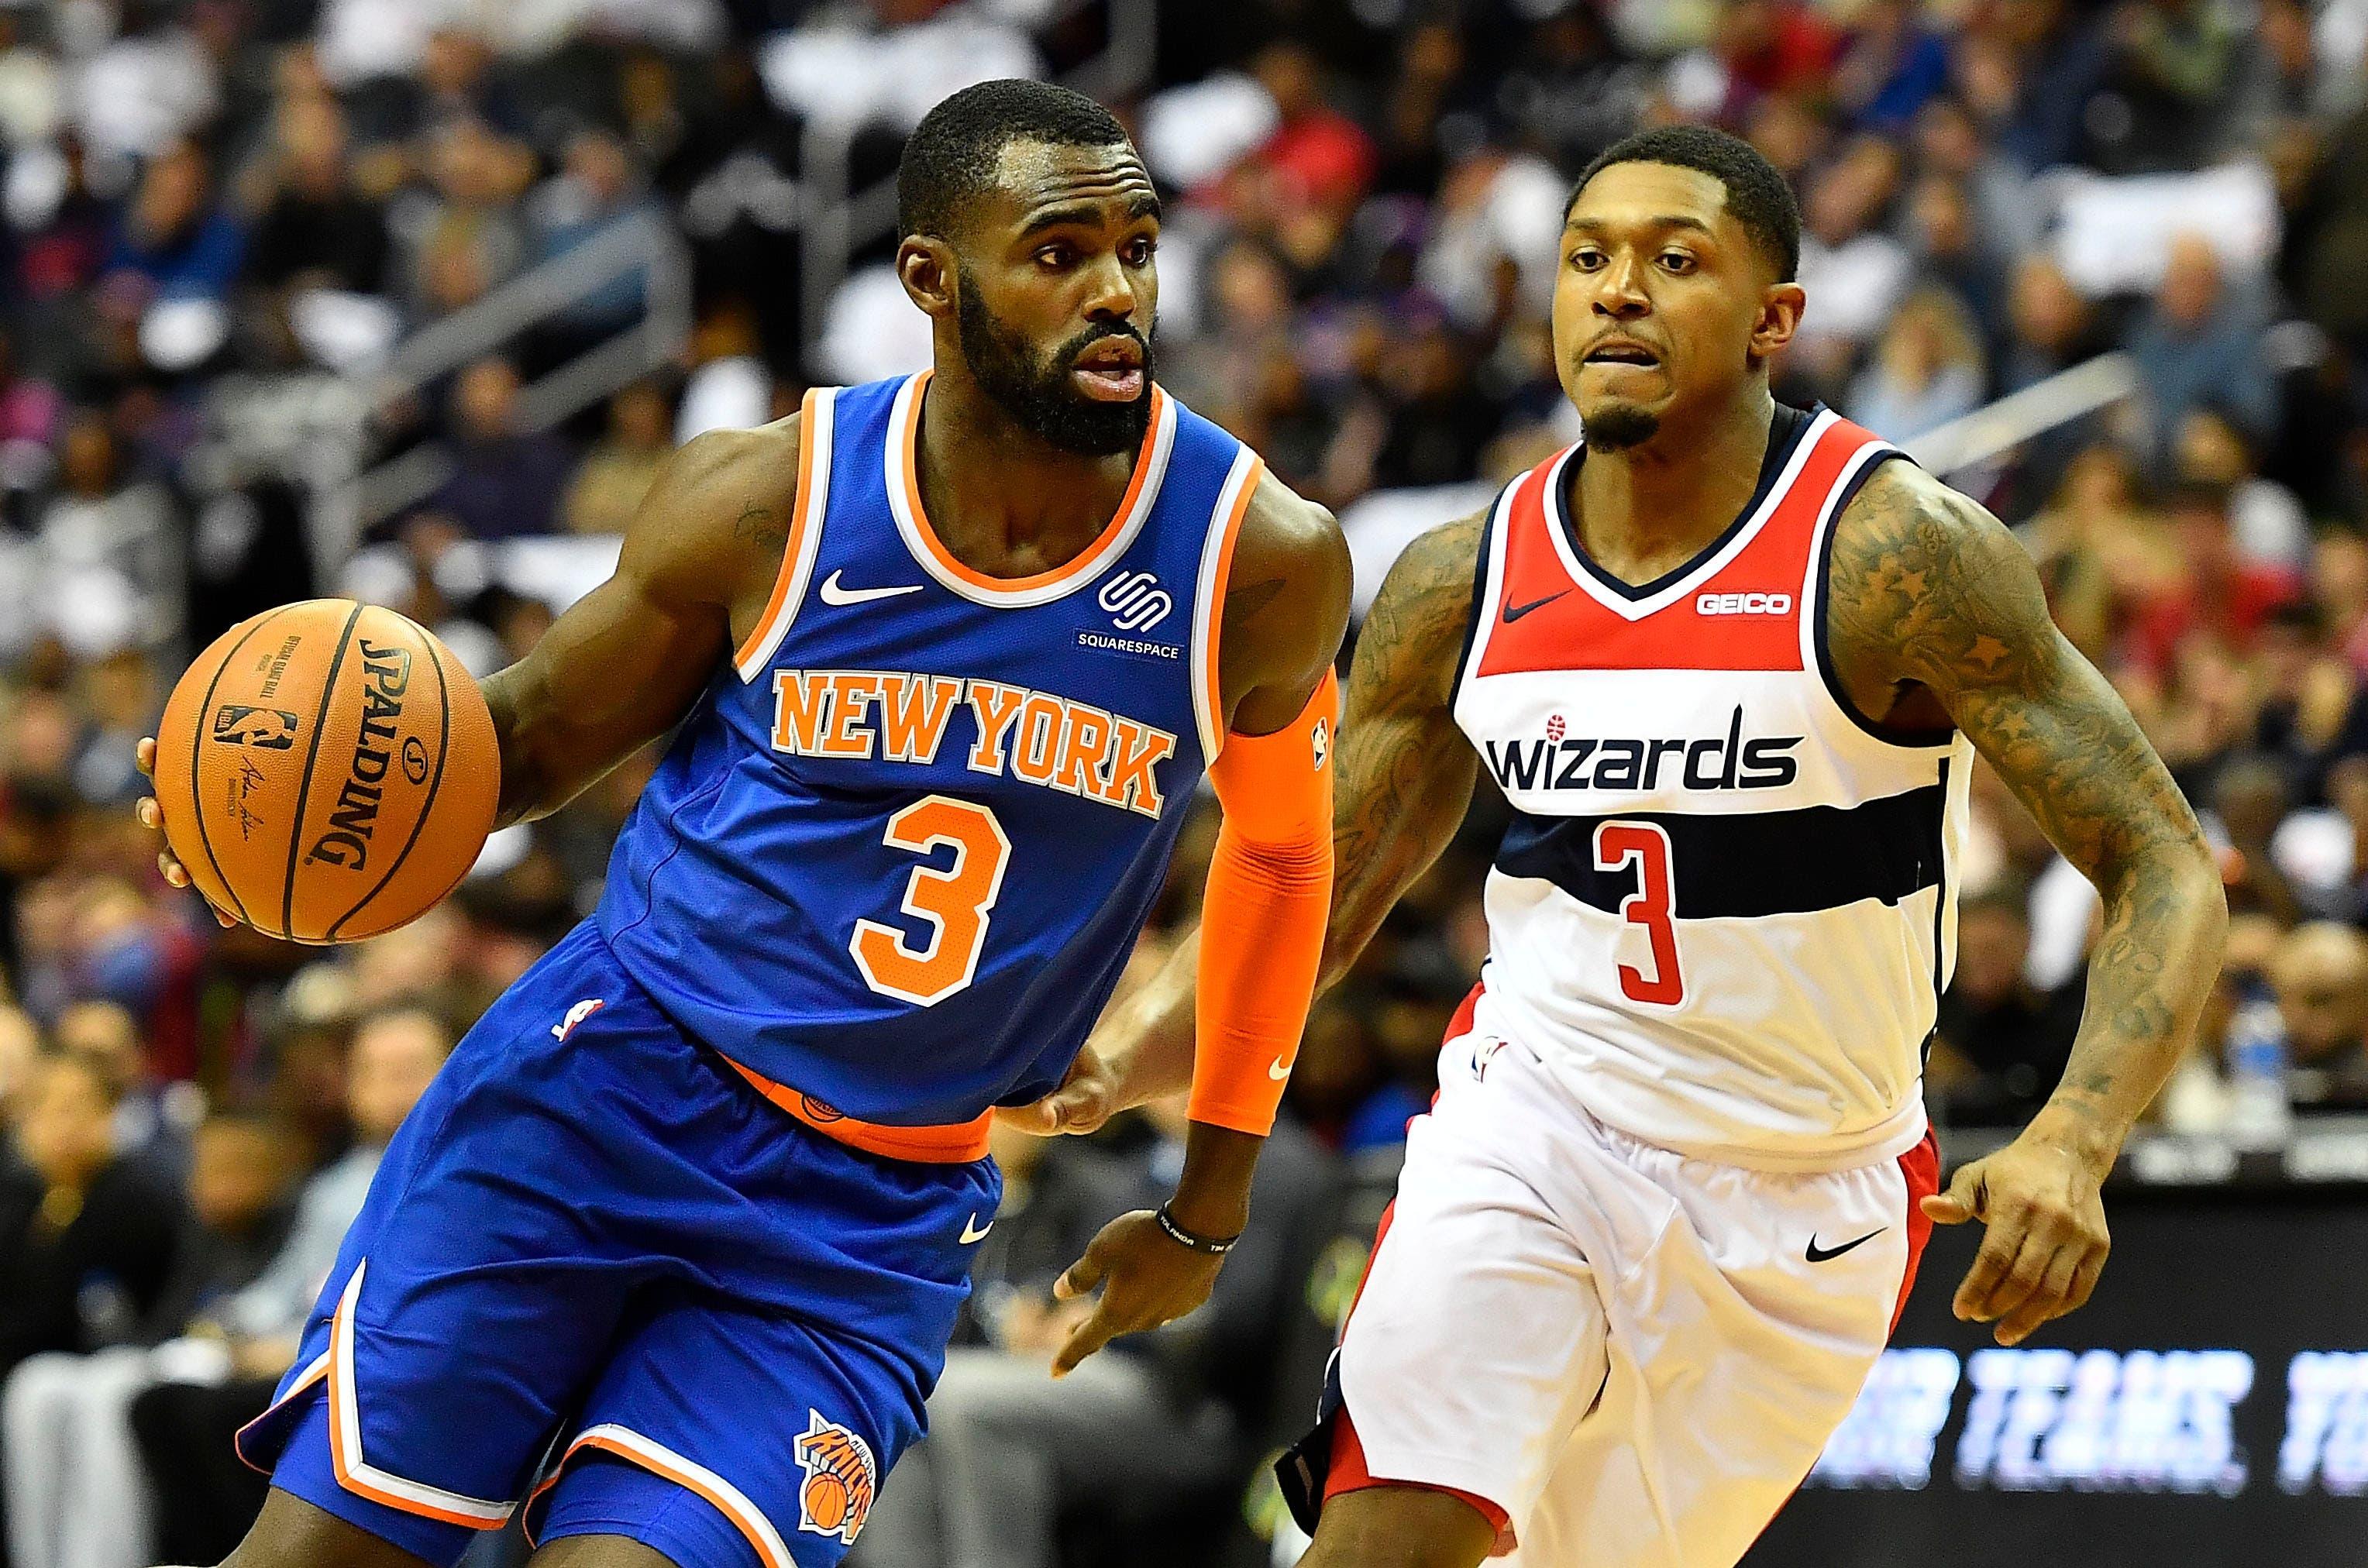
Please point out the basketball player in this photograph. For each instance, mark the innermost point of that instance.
(670, 1255)
(1729, 662)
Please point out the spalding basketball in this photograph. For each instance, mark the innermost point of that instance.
(326, 771)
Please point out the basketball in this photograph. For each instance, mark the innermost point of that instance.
(326, 771)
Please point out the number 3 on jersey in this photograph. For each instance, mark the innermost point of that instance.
(1646, 845)
(954, 902)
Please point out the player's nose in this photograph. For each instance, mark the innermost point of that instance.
(1619, 292)
(1112, 295)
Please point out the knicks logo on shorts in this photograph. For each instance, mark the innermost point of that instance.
(840, 1479)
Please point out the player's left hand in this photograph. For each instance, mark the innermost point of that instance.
(2046, 1242)
(1145, 1278)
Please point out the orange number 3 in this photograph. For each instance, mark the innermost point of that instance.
(1647, 845)
(954, 902)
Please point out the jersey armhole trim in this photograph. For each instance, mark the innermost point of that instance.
(806, 513)
(1209, 601)
(1487, 587)
(1818, 591)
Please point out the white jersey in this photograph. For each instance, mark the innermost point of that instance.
(1726, 908)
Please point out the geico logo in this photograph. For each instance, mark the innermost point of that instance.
(2100, 1421)
(2327, 1424)
(1135, 600)
(1742, 604)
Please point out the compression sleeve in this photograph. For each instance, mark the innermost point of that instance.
(1262, 921)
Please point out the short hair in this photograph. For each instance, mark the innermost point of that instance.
(1759, 198)
(953, 154)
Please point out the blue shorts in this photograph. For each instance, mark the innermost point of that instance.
(598, 1276)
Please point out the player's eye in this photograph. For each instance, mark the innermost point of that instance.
(1586, 258)
(1677, 261)
(1138, 253)
(1056, 256)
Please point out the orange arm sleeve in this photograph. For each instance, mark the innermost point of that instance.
(1262, 921)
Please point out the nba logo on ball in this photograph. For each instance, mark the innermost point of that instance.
(840, 1479)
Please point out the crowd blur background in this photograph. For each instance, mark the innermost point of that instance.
(410, 299)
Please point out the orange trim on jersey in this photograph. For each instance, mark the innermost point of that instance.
(1230, 536)
(1085, 560)
(951, 1143)
(791, 550)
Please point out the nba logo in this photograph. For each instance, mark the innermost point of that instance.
(840, 1479)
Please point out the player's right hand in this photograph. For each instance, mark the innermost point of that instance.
(151, 817)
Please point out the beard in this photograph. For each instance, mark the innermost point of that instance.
(1616, 427)
(1038, 395)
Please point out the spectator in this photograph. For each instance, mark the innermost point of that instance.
(87, 1236)
(76, 1497)
(2266, 521)
(1009, 1450)
(2321, 978)
(317, 231)
(2201, 345)
(175, 242)
(205, 1498)
(20, 1050)
(506, 481)
(2217, 593)
(1894, 64)
(149, 83)
(598, 190)
(1926, 370)
(1851, 270)
(2001, 1043)
(618, 470)
(105, 549)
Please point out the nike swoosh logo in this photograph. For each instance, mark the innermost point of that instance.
(832, 594)
(1515, 612)
(1279, 1070)
(1825, 1254)
(974, 1231)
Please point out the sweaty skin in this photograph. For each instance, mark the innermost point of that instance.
(1936, 617)
(1061, 246)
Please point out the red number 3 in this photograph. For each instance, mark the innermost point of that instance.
(1617, 844)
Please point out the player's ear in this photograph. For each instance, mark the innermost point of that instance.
(1779, 317)
(924, 265)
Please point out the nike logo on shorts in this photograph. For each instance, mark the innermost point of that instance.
(1825, 1254)
(1279, 1069)
(974, 1231)
(832, 594)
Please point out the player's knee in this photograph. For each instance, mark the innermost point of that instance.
(1400, 1527)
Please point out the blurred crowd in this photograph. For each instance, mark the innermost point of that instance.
(220, 221)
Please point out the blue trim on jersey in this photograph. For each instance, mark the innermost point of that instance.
(737, 887)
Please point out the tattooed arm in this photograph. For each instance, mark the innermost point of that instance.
(1935, 605)
(1404, 775)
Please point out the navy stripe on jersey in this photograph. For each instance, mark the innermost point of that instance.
(1749, 863)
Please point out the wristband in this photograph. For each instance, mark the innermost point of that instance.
(1207, 1246)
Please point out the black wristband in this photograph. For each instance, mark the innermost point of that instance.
(1206, 1246)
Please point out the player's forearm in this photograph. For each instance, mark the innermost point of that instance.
(2152, 970)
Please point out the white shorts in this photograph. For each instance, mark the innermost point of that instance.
(1633, 1357)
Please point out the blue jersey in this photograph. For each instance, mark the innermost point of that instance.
(902, 846)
